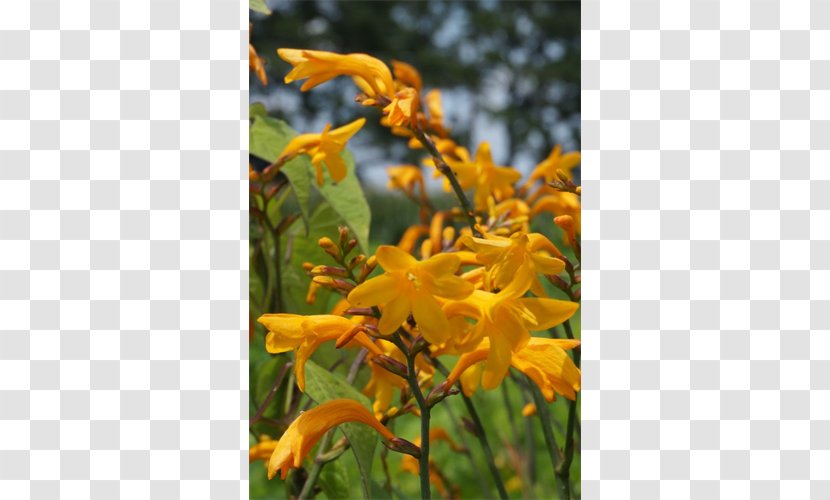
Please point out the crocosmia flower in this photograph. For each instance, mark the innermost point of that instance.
(324, 148)
(411, 286)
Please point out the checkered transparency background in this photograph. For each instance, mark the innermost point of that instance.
(706, 330)
(123, 275)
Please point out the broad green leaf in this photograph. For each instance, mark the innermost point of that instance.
(259, 6)
(268, 137)
(348, 200)
(300, 247)
(321, 386)
(335, 480)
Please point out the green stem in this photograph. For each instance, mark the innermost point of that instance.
(412, 379)
(543, 410)
(480, 433)
(445, 169)
(564, 468)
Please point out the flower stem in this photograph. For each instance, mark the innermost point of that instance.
(564, 469)
(412, 379)
(445, 169)
(543, 411)
(480, 433)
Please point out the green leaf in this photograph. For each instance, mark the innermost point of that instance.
(259, 6)
(268, 137)
(348, 200)
(302, 247)
(321, 386)
(335, 480)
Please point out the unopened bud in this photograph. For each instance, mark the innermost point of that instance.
(418, 345)
(311, 296)
(529, 410)
(439, 393)
(356, 261)
(359, 311)
(349, 246)
(391, 365)
(566, 223)
(323, 270)
(344, 235)
(559, 283)
(308, 266)
(329, 246)
(367, 269)
(401, 445)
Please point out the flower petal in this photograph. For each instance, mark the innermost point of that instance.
(548, 312)
(394, 259)
(375, 291)
(431, 320)
(394, 314)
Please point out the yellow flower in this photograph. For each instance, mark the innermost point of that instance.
(513, 263)
(407, 74)
(412, 286)
(288, 332)
(263, 449)
(370, 74)
(255, 65)
(405, 178)
(436, 113)
(403, 110)
(543, 360)
(555, 161)
(324, 148)
(507, 321)
(529, 410)
(488, 179)
(560, 203)
(304, 432)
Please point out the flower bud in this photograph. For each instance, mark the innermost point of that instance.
(323, 270)
(418, 345)
(311, 295)
(356, 261)
(391, 365)
(367, 269)
(529, 410)
(469, 426)
(308, 266)
(359, 311)
(344, 235)
(439, 393)
(401, 445)
(349, 246)
(329, 247)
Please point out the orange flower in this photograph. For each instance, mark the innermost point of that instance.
(407, 74)
(288, 332)
(304, 432)
(555, 161)
(488, 179)
(403, 110)
(255, 65)
(324, 148)
(405, 178)
(371, 75)
(263, 449)
(514, 263)
(507, 322)
(409, 286)
(543, 360)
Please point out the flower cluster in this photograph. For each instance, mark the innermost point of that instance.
(480, 283)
